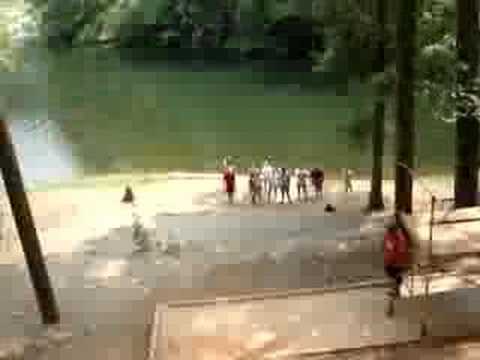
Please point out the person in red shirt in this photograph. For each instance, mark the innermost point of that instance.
(317, 177)
(229, 181)
(396, 253)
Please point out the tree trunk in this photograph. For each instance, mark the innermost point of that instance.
(260, 19)
(467, 127)
(378, 136)
(405, 112)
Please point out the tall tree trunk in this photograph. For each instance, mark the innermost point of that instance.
(405, 114)
(467, 127)
(260, 18)
(376, 193)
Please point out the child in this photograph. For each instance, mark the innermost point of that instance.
(128, 196)
(255, 185)
(285, 185)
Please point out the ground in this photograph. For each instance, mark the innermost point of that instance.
(199, 245)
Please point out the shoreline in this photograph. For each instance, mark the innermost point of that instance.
(114, 178)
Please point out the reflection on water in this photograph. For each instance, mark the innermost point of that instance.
(121, 114)
(42, 153)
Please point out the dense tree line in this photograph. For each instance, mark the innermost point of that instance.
(186, 24)
(435, 55)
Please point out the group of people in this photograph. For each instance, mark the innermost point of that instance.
(268, 182)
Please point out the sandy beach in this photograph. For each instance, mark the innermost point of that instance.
(198, 245)
(90, 207)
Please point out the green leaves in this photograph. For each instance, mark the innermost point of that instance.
(8, 52)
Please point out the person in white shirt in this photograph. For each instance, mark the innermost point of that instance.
(348, 177)
(268, 175)
(276, 183)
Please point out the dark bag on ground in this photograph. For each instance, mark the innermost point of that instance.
(329, 208)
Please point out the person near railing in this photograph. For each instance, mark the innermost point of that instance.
(397, 257)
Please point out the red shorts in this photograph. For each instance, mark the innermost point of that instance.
(229, 187)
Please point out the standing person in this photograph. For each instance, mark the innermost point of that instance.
(258, 185)
(277, 172)
(266, 168)
(268, 178)
(251, 187)
(348, 177)
(396, 255)
(302, 184)
(229, 182)
(254, 184)
(285, 185)
(317, 177)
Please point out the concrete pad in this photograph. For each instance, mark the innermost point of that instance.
(274, 327)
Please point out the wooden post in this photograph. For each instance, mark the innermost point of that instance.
(427, 313)
(26, 227)
(432, 223)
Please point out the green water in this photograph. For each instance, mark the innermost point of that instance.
(119, 115)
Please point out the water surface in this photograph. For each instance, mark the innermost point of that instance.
(108, 112)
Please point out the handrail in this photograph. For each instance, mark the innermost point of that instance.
(457, 221)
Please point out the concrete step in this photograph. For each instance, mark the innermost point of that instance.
(445, 349)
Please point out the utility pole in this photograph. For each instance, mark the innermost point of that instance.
(26, 227)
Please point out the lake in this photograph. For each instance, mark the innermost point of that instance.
(98, 111)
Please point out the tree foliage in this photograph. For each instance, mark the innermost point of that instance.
(9, 51)
(345, 40)
(437, 65)
(136, 22)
